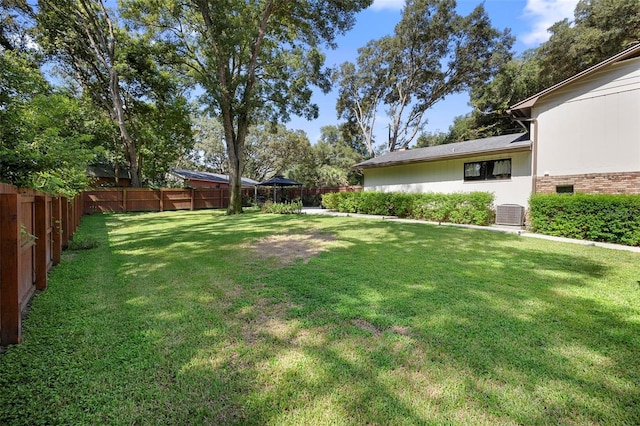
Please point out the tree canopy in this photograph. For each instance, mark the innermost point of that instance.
(47, 137)
(433, 52)
(599, 30)
(329, 162)
(254, 60)
(124, 76)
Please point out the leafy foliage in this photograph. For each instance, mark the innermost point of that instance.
(600, 29)
(47, 138)
(608, 218)
(328, 163)
(272, 150)
(124, 73)
(294, 207)
(434, 52)
(472, 208)
(208, 152)
(255, 61)
(269, 149)
(15, 25)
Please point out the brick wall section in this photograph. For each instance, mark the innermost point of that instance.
(593, 183)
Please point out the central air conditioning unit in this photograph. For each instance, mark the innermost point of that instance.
(510, 214)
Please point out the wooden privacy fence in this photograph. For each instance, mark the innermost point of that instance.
(154, 200)
(157, 200)
(34, 229)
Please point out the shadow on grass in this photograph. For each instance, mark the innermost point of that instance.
(174, 321)
(486, 311)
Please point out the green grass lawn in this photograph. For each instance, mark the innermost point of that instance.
(188, 318)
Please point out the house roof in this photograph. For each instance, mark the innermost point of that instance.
(495, 144)
(523, 108)
(210, 177)
(279, 180)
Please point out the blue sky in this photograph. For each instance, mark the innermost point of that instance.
(528, 20)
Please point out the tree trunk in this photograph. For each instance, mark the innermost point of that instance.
(118, 109)
(235, 186)
(235, 152)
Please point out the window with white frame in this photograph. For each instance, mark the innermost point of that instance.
(488, 170)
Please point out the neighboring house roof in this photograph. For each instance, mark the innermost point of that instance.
(495, 144)
(523, 108)
(210, 177)
(279, 180)
(107, 172)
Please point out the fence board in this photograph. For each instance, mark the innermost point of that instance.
(64, 223)
(27, 249)
(210, 199)
(56, 229)
(41, 245)
(31, 239)
(10, 318)
(49, 233)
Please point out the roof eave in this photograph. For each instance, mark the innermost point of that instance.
(519, 110)
(520, 148)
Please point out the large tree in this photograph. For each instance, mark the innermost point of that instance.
(600, 29)
(433, 52)
(329, 162)
(123, 73)
(84, 36)
(253, 59)
(269, 149)
(361, 89)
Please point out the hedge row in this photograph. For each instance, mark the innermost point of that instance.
(472, 208)
(606, 218)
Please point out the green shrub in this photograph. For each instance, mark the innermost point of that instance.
(83, 243)
(472, 208)
(282, 208)
(606, 218)
(330, 200)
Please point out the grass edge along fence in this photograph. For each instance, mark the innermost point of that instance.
(595, 217)
(34, 229)
(473, 208)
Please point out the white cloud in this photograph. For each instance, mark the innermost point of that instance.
(387, 4)
(543, 14)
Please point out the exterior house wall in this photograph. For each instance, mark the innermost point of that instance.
(447, 176)
(588, 133)
(592, 183)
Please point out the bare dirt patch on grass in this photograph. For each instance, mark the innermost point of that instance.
(285, 249)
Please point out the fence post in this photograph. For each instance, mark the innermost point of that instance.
(77, 201)
(193, 199)
(10, 266)
(124, 200)
(161, 200)
(64, 221)
(56, 234)
(40, 231)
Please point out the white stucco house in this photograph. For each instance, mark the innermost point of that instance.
(581, 135)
